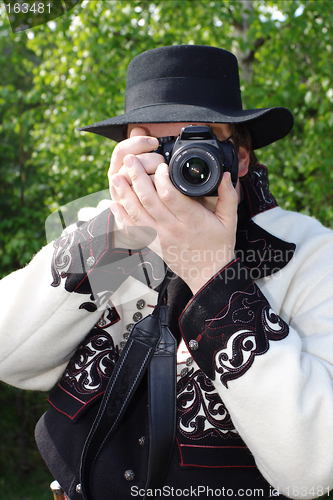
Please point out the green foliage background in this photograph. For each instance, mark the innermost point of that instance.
(71, 73)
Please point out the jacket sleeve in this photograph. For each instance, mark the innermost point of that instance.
(273, 374)
(41, 321)
(48, 307)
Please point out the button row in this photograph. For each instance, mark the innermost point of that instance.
(193, 345)
(136, 317)
(129, 475)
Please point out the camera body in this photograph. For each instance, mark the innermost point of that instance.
(197, 160)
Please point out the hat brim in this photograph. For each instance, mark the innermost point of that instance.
(266, 125)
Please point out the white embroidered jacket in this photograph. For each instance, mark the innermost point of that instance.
(280, 398)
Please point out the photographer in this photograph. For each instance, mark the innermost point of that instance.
(250, 304)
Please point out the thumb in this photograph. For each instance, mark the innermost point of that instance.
(227, 203)
(138, 131)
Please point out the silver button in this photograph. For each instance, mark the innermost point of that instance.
(126, 335)
(142, 440)
(78, 488)
(189, 361)
(129, 475)
(193, 345)
(137, 316)
(101, 322)
(184, 372)
(129, 327)
(122, 345)
(140, 304)
(90, 261)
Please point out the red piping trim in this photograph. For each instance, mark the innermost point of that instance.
(204, 286)
(84, 404)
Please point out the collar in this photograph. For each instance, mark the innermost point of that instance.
(260, 251)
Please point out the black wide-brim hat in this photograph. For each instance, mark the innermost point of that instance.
(191, 83)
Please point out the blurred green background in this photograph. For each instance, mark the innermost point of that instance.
(71, 72)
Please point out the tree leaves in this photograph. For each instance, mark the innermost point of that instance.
(71, 73)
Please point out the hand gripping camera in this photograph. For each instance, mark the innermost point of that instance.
(197, 160)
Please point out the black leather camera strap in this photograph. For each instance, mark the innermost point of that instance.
(162, 379)
(150, 346)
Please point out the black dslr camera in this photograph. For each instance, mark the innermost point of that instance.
(197, 160)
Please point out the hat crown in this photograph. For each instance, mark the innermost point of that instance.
(183, 61)
(191, 83)
(184, 74)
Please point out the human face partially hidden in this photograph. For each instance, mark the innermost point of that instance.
(221, 130)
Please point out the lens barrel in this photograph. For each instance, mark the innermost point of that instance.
(196, 170)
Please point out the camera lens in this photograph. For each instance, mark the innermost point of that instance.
(195, 171)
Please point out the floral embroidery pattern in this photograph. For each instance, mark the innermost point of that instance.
(89, 264)
(92, 365)
(243, 345)
(201, 412)
(62, 258)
